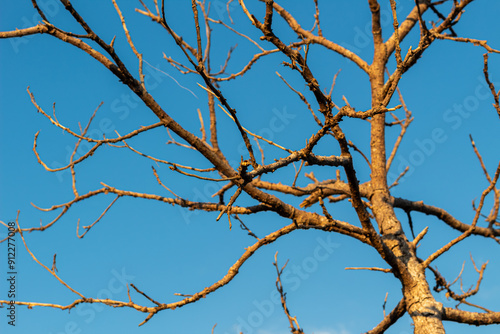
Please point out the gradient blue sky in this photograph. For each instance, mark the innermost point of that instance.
(165, 250)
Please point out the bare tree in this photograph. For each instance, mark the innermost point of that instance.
(372, 200)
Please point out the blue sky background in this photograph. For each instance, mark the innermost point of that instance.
(165, 250)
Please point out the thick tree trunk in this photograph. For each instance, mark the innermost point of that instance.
(425, 311)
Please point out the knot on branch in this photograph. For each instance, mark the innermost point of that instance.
(242, 171)
(200, 68)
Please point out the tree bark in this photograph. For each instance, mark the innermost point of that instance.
(425, 311)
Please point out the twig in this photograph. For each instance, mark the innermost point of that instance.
(145, 295)
(129, 39)
(385, 302)
(369, 268)
(294, 325)
(469, 231)
(202, 128)
(399, 60)
(52, 272)
(301, 96)
(360, 152)
(404, 126)
(202, 170)
(161, 183)
(54, 268)
(228, 206)
(87, 228)
(297, 173)
(496, 203)
(490, 84)
(245, 228)
(256, 135)
(174, 168)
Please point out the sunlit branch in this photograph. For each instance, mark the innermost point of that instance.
(404, 126)
(490, 84)
(471, 318)
(132, 46)
(444, 216)
(303, 99)
(442, 284)
(319, 39)
(496, 202)
(87, 228)
(471, 228)
(406, 26)
(203, 170)
(399, 61)
(476, 42)
(294, 324)
(256, 135)
(54, 121)
(390, 319)
(52, 272)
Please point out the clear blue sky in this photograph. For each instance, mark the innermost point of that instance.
(165, 250)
